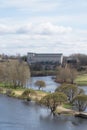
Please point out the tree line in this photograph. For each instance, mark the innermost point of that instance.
(14, 73)
(66, 75)
(66, 93)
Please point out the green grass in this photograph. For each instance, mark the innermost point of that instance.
(81, 80)
(67, 106)
(2, 85)
(5, 85)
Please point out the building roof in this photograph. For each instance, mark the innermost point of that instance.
(46, 53)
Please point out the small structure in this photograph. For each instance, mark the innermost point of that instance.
(72, 60)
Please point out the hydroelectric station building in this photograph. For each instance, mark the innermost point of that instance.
(47, 60)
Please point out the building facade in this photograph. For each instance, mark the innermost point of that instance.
(44, 58)
(44, 61)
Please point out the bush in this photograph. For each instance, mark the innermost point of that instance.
(9, 92)
(1, 90)
(26, 94)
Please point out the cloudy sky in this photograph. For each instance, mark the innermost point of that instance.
(43, 26)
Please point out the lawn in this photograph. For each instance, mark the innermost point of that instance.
(81, 80)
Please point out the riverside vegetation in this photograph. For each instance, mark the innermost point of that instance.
(14, 75)
(65, 97)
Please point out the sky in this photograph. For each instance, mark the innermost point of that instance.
(43, 26)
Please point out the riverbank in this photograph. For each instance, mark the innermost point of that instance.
(43, 73)
(80, 80)
(17, 93)
(65, 111)
(36, 96)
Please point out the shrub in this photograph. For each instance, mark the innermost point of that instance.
(9, 92)
(1, 90)
(26, 94)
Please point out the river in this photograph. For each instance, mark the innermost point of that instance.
(50, 84)
(19, 115)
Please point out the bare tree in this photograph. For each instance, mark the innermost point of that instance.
(15, 73)
(72, 75)
(66, 75)
(62, 75)
(19, 73)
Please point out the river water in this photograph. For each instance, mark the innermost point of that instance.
(20, 115)
(50, 84)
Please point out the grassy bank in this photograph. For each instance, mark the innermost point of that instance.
(43, 73)
(17, 93)
(81, 80)
(65, 109)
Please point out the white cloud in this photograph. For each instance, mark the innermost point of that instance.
(4, 29)
(24, 28)
(41, 37)
(44, 37)
(38, 29)
(48, 28)
(43, 26)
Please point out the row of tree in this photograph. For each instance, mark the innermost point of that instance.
(82, 59)
(63, 94)
(14, 73)
(77, 61)
(75, 95)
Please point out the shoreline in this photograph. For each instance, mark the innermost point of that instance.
(37, 96)
(18, 92)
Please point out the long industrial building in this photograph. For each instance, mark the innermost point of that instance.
(44, 57)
